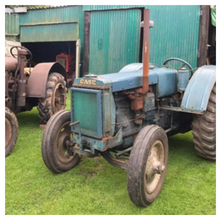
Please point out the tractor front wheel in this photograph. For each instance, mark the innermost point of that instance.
(147, 165)
(11, 131)
(53, 147)
(55, 99)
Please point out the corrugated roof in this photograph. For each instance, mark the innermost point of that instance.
(43, 7)
(50, 7)
(16, 10)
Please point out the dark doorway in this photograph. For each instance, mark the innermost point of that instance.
(63, 52)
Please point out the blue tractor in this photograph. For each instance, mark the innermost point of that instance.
(125, 117)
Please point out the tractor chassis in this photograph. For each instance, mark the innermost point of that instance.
(119, 159)
(113, 160)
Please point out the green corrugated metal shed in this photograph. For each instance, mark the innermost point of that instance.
(50, 32)
(110, 7)
(65, 22)
(55, 24)
(11, 27)
(175, 32)
(114, 40)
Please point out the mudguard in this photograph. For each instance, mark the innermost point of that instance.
(36, 86)
(198, 90)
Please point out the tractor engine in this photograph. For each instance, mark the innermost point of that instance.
(15, 81)
(103, 106)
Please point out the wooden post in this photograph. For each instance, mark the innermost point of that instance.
(203, 35)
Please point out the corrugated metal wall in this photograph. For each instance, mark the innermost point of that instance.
(50, 33)
(54, 16)
(114, 40)
(109, 7)
(175, 32)
(57, 16)
(12, 27)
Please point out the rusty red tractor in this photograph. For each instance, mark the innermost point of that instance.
(43, 86)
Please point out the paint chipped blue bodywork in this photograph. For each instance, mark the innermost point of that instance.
(130, 77)
(198, 90)
(109, 112)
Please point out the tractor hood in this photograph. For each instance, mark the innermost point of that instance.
(130, 77)
(10, 64)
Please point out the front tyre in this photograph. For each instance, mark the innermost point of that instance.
(53, 147)
(11, 131)
(55, 99)
(147, 165)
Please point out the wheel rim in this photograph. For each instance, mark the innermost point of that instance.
(61, 148)
(8, 132)
(154, 167)
(59, 98)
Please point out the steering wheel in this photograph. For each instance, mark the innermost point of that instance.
(182, 61)
(20, 47)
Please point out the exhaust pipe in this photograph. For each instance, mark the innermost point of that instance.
(146, 51)
(137, 95)
(21, 99)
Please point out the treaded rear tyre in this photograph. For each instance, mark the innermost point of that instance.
(54, 153)
(204, 130)
(150, 151)
(55, 99)
(11, 131)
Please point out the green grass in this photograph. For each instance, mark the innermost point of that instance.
(95, 187)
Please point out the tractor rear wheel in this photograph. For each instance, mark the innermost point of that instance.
(147, 165)
(55, 99)
(53, 146)
(204, 130)
(11, 131)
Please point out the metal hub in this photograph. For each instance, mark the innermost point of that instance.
(8, 132)
(154, 166)
(59, 94)
(61, 146)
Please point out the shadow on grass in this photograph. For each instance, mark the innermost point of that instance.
(28, 119)
(182, 143)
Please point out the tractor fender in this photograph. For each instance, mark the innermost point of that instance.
(36, 86)
(198, 90)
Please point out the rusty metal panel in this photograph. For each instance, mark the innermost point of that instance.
(11, 64)
(49, 32)
(36, 86)
(146, 51)
(114, 40)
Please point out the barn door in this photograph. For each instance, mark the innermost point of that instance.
(114, 40)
